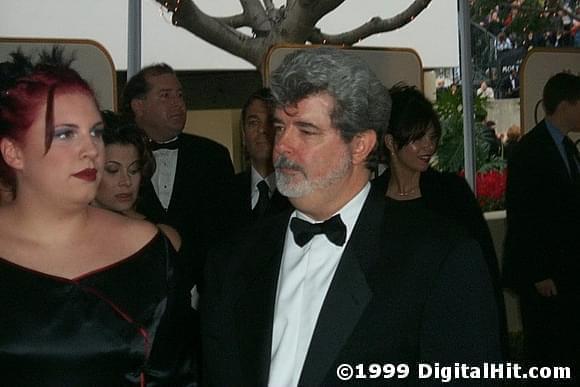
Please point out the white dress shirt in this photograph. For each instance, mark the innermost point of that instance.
(304, 278)
(255, 179)
(164, 176)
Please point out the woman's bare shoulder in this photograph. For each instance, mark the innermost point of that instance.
(134, 233)
(172, 235)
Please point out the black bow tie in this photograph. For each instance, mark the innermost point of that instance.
(333, 228)
(173, 144)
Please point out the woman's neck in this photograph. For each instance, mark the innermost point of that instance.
(404, 185)
(47, 223)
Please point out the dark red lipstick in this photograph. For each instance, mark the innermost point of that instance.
(89, 174)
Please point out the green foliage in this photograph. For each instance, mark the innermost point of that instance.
(450, 153)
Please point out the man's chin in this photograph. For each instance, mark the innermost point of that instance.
(291, 194)
(176, 125)
(292, 190)
(175, 131)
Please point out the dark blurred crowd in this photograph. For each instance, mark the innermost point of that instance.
(519, 24)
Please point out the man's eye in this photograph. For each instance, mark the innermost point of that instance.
(252, 124)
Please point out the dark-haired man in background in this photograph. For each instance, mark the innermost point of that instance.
(188, 189)
(542, 248)
(254, 191)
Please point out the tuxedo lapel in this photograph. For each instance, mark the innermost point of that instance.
(185, 174)
(255, 308)
(349, 292)
(149, 204)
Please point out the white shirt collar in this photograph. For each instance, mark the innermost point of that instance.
(168, 141)
(256, 178)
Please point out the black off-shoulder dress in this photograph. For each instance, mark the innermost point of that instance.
(122, 325)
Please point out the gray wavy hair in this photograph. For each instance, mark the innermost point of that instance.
(362, 102)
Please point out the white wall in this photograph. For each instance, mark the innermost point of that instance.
(433, 34)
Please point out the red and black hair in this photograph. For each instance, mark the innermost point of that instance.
(22, 99)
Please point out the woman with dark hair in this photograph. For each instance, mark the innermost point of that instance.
(411, 141)
(128, 164)
(89, 297)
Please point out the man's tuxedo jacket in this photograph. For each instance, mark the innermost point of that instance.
(543, 216)
(242, 201)
(197, 208)
(407, 289)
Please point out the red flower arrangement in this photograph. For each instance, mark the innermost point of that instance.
(490, 187)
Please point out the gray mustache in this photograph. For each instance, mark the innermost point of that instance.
(285, 163)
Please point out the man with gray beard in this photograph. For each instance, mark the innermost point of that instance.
(343, 278)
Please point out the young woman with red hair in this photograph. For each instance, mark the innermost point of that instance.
(89, 297)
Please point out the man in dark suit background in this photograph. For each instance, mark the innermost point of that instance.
(343, 278)
(542, 248)
(188, 189)
(254, 190)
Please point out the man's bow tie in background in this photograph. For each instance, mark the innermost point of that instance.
(304, 231)
(173, 144)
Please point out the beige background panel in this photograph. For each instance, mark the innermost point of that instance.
(222, 126)
(538, 66)
(391, 65)
(92, 61)
(504, 112)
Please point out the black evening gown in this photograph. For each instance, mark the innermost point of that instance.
(122, 325)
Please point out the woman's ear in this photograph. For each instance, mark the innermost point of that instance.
(12, 153)
(390, 143)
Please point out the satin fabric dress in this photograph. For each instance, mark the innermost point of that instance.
(122, 325)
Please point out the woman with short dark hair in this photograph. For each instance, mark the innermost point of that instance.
(410, 143)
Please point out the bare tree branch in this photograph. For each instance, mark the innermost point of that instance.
(235, 21)
(269, 4)
(256, 15)
(326, 6)
(290, 3)
(374, 26)
(252, 6)
(187, 15)
(319, 8)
